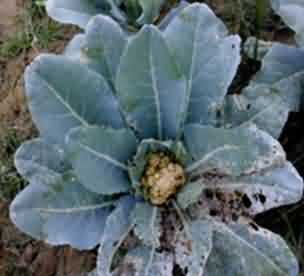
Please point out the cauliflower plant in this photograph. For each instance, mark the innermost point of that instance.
(142, 151)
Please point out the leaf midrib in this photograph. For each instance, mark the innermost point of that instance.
(74, 210)
(63, 102)
(105, 157)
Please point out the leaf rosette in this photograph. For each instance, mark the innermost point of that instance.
(111, 103)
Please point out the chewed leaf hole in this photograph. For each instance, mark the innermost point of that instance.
(246, 201)
(260, 197)
(254, 226)
(178, 271)
(209, 194)
(213, 213)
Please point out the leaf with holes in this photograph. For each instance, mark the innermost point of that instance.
(193, 247)
(261, 105)
(118, 226)
(238, 249)
(233, 152)
(144, 261)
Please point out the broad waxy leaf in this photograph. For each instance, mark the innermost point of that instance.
(272, 94)
(79, 12)
(55, 199)
(258, 104)
(147, 224)
(144, 261)
(190, 194)
(283, 70)
(59, 211)
(207, 56)
(292, 12)
(37, 160)
(240, 250)
(100, 48)
(118, 226)
(105, 42)
(231, 151)
(152, 94)
(99, 156)
(63, 94)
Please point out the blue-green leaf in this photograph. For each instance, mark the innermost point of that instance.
(258, 104)
(190, 194)
(147, 224)
(63, 94)
(241, 250)
(37, 160)
(100, 48)
(193, 247)
(99, 156)
(207, 56)
(105, 42)
(119, 224)
(174, 11)
(291, 12)
(59, 211)
(150, 10)
(256, 48)
(79, 12)
(150, 88)
(283, 70)
(231, 151)
(211, 248)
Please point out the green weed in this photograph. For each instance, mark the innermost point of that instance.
(35, 30)
(10, 182)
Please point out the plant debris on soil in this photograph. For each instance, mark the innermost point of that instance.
(25, 32)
